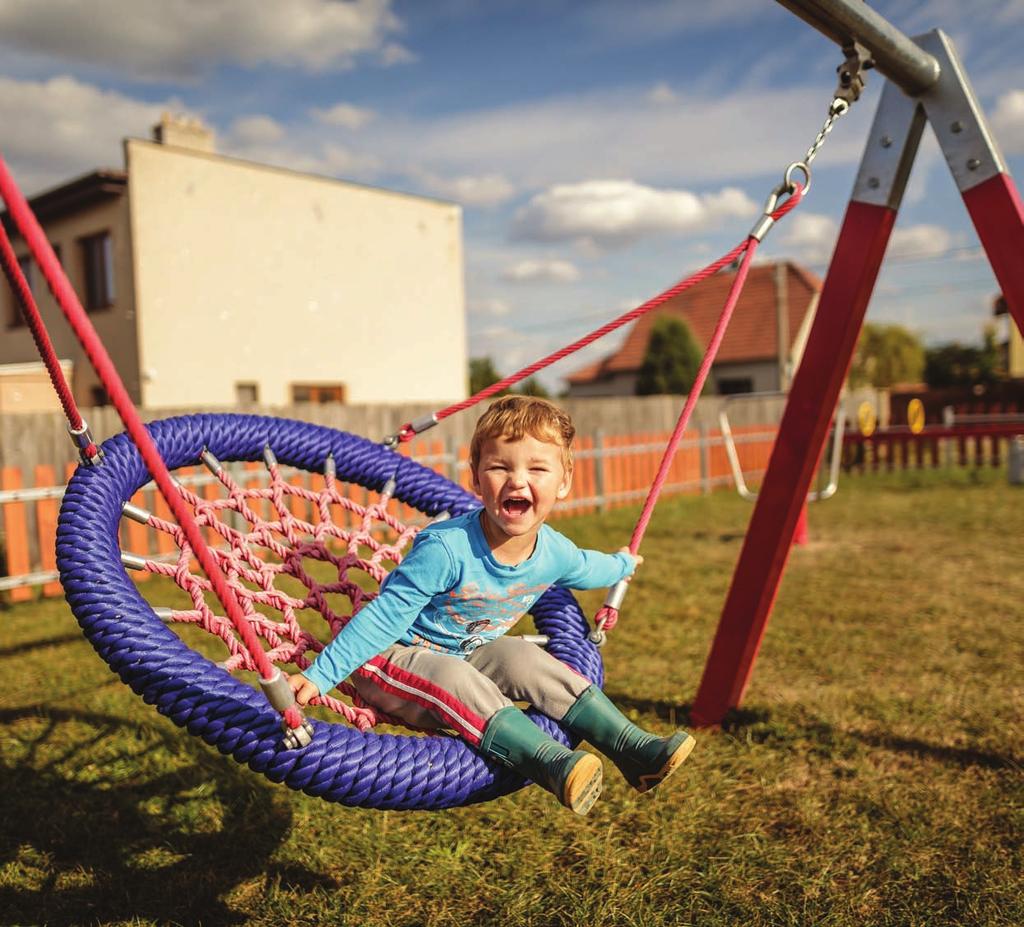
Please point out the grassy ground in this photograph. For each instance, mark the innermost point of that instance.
(873, 776)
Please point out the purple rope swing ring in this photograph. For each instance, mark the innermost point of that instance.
(342, 764)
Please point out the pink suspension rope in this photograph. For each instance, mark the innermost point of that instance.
(23, 292)
(598, 333)
(408, 431)
(43, 254)
(608, 615)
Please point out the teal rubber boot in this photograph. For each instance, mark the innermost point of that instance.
(572, 776)
(644, 759)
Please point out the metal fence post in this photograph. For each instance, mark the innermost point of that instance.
(1015, 461)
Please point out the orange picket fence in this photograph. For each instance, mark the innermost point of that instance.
(610, 471)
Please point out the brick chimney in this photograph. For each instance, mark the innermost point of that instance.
(184, 132)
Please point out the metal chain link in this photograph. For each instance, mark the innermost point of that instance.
(837, 108)
(788, 187)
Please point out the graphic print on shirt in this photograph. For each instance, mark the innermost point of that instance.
(489, 613)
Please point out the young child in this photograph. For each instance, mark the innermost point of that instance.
(429, 649)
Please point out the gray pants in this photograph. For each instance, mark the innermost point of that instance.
(426, 689)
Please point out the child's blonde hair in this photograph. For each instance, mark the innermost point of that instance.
(513, 417)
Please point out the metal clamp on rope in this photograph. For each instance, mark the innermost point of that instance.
(281, 697)
(210, 461)
(851, 72)
(597, 637)
(786, 188)
(614, 599)
(84, 442)
(408, 431)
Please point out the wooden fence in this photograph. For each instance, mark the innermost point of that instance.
(964, 445)
(610, 471)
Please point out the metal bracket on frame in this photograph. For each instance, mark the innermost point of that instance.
(951, 109)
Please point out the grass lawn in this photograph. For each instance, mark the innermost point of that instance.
(873, 776)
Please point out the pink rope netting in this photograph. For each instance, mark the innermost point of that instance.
(257, 557)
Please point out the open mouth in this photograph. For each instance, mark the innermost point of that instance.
(515, 506)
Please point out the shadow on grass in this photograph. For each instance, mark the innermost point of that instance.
(953, 756)
(105, 821)
(666, 710)
(32, 646)
(759, 725)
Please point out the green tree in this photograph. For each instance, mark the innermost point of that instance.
(886, 355)
(672, 358)
(533, 387)
(482, 374)
(955, 364)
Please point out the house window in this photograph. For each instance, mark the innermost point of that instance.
(98, 259)
(15, 317)
(318, 392)
(728, 386)
(98, 397)
(247, 394)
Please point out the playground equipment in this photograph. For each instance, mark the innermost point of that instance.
(356, 767)
(390, 771)
(815, 495)
(926, 83)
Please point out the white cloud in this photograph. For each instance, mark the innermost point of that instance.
(256, 130)
(809, 237)
(655, 19)
(920, 241)
(662, 93)
(490, 307)
(508, 348)
(549, 271)
(618, 212)
(65, 127)
(394, 54)
(155, 39)
(622, 133)
(1008, 122)
(469, 190)
(330, 160)
(344, 115)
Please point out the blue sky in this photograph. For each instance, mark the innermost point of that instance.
(600, 150)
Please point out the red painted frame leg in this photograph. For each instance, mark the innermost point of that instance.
(802, 432)
(998, 218)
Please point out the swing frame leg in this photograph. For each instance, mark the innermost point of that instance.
(995, 208)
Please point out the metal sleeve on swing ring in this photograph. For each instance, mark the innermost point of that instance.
(616, 594)
(423, 423)
(82, 436)
(277, 691)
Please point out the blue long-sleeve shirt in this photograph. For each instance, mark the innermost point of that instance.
(451, 595)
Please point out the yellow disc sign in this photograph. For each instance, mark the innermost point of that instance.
(915, 416)
(866, 419)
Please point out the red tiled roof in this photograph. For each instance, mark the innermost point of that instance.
(752, 333)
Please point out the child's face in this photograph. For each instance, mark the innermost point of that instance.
(519, 482)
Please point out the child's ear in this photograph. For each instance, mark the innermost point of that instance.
(475, 480)
(566, 485)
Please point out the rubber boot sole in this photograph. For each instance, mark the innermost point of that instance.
(648, 782)
(583, 784)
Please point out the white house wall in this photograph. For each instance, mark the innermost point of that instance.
(250, 274)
